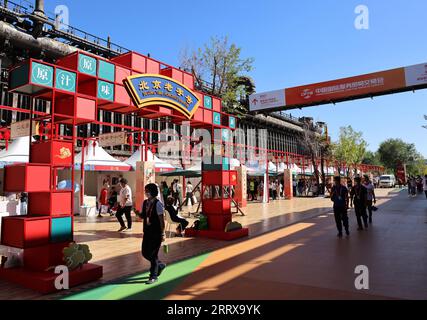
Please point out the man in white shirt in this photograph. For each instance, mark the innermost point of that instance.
(189, 194)
(125, 206)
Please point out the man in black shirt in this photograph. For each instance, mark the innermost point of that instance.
(359, 197)
(339, 196)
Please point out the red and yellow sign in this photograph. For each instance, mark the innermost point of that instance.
(346, 88)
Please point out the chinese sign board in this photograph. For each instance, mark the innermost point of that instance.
(42, 74)
(368, 85)
(105, 90)
(22, 129)
(87, 65)
(113, 139)
(65, 80)
(154, 90)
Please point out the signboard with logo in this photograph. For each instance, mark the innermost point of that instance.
(416, 75)
(113, 139)
(155, 90)
(22, 129)
(267, 100)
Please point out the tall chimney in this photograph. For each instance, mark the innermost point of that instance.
(39, 10)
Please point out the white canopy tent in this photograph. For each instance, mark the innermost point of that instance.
(18, 151)
(160, 165)
(97, 159)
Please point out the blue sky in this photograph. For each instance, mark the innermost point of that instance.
(293, 43)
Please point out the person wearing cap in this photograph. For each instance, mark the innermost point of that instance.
(358, 197)
(152, 214)
(339, 196)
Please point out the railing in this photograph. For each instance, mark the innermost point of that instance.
(69, 34)
(14, 7)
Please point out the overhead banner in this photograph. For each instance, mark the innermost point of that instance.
(373, 84)
(113, 139)
(347, 88)
(22, 129)
(155, 90)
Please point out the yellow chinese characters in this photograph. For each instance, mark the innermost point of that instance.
(157, 84)
(168, 87)
(143, 85)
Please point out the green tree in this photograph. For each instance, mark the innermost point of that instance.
(350, 148)
(393, 151)
(219, 69)
(372, 158)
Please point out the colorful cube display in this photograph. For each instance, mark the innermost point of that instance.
(65, 80)
(25, 232)
(44, 257)
(31, 77)
(218, 222)
(105, 90)
(207, 102)
(27, 178)
(216, 206)
(61, 230)
(56, 152)
(106, 70)
(53, 204)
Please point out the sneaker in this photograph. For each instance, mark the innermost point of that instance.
(128, 229)
(162, 267)
(122, 229)
(347, 233)
(339, 235)
(151, 281)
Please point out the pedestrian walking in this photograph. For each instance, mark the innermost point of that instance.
(371, 198)
(103, 200)
(23, 199)
(339, 196)
(112, 201)
(125, 205)
(358, 198)
(252, 189)
(189, 194)
(165, 191)
(425, 185)
(152, 214)
(413, 187)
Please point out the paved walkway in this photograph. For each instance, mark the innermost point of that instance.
(119, 253)
(302, 261)
(292, 253)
